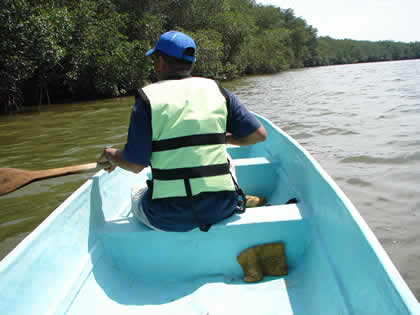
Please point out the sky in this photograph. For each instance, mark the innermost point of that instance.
(374, 20)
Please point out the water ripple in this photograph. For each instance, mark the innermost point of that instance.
(403, 158)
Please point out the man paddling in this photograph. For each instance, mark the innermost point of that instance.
(179, 126)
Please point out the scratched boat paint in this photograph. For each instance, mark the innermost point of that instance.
(90, 255)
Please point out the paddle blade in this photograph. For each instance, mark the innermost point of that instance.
(12, 179)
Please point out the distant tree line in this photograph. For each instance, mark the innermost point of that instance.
(335, 52)
(62, 50)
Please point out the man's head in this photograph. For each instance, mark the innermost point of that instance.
(175, 44)
(173, 54)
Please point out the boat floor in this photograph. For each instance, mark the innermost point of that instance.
(208, 295)
(105, 285)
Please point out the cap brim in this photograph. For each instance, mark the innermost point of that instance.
(151, 51)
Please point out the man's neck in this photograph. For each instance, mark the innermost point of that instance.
(178, 76)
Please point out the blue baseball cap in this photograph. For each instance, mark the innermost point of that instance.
(174, 43)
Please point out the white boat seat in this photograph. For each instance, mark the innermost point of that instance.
(265, 214)
(216, 249)
(251, 161)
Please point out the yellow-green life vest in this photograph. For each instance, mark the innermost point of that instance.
(189, 157)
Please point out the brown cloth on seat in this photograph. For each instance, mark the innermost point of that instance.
(263, 260)
(254, 201)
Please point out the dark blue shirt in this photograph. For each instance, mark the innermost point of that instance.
(177, 215)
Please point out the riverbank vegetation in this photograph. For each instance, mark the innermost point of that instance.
(64, 50)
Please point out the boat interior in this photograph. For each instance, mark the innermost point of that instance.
(137, 269)
(109, 263)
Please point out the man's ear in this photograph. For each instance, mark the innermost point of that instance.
(162, 65)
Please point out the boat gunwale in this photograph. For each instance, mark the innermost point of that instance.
(391, 271)
(32, 237)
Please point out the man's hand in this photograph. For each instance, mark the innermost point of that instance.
(115, 157)
(257, 136)
(104, 158)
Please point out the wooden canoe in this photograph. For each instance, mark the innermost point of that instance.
(91, 257)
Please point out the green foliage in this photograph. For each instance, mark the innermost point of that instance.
(209, 54)
(350, 51)
(31, 47)
(269, 52)
(54, 50)
(102, 59)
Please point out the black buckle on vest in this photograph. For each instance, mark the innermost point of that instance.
(241, 208)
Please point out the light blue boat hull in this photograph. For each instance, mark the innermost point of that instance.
(91, 256)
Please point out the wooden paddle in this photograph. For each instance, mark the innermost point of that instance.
(13, 178)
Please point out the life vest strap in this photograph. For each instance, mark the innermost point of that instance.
(190, 172)
(188, 141)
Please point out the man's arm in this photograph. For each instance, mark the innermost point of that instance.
(116, 158)
(243, 128)
(138, 148)
(257, 136)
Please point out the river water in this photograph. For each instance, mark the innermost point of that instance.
(361, 123)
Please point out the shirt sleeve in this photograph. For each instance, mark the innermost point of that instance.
(138, 148)
(241, 122)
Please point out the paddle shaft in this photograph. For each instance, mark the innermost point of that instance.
(13, 178)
